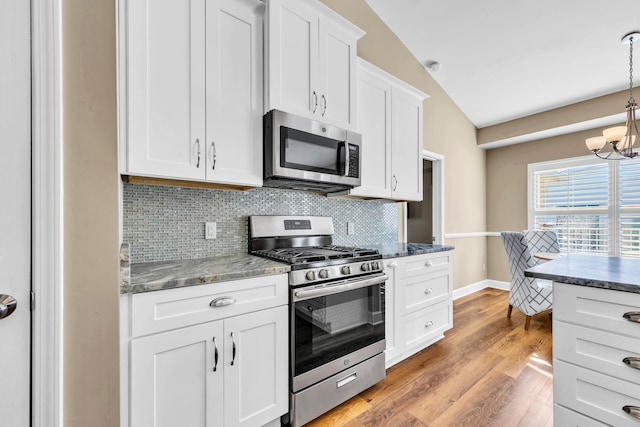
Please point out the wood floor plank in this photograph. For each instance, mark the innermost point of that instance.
(487, 371)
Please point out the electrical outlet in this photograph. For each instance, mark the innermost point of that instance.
(351, 228)
(210, 230)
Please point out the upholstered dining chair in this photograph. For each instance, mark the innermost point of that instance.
(530, 296)
(541, 241)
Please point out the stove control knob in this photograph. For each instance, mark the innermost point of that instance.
(324, 273)
(375, 265)
(311, 275)
(365, 266)
(346, 269)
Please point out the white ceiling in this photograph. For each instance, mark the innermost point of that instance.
(505, 59)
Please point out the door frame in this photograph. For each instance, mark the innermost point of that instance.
(437, 161)
(46, 244)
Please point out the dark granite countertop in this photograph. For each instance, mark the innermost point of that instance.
(596, 271)
(395, 250)
(152, 276)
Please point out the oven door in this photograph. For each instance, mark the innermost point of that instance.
(334, 326)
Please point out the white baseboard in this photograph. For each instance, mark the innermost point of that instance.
(478, 286)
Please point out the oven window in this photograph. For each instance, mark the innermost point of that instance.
(305, 151)
(329, 327)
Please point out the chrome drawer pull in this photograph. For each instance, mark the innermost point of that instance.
(632, 316)
(633, 362)
(222, 302)
(346, 380)
(429, 324)
(634, 411)
(428, 291)
(429, 263)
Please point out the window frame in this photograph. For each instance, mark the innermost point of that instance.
(613, 211)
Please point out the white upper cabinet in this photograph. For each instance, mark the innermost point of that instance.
(390, 121)
(193, 94)
(311, 61)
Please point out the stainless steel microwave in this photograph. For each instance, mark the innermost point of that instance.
(305, 154)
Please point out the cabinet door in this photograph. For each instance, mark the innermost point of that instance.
(172, 378)
(406, 134)
(337, 70)
(256, 384)
(292, 56)
(374, 123)
(166, 88)
(234, 92)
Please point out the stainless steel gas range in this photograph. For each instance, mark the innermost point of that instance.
(337, 309)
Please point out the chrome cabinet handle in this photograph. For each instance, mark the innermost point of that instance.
(214, 156)
(315, 102)
(633, 362)
(395, 183)
(233, 349)
(198, 144)
(215, 355)
(429, 263)
(429, 324)
(428, 291)
(392, 264)
(324, 105)
(222, 302)
(634, 411)
(632, 316)
(8, 305)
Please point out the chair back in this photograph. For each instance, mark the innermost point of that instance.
(520, 259)
(542, 241)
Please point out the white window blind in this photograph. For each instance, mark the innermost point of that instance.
(591, 204)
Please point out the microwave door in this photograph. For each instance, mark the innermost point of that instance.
(313, 156)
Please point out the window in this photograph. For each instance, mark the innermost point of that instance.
(593, 205)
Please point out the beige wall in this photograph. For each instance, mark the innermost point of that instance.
(90, 341)
(447, 131)
(507, 187)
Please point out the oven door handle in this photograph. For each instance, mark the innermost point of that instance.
(316, 292)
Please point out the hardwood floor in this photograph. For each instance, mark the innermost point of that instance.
(487, 371)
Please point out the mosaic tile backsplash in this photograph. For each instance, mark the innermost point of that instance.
(168, 223)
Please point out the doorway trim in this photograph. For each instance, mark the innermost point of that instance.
(437, 161)
(46, 154)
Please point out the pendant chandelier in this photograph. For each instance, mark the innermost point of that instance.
(620, 138)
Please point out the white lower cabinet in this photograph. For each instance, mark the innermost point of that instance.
(226, 372)
(419, 303)
(592, 383)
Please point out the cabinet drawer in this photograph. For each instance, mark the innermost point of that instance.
(158, 311)
(418, 265)
(596, 308)
(424, 325)
(568, 418)
(594, 394)
(597, 350)
(428, 289)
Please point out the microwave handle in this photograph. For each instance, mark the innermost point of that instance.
(346, 159)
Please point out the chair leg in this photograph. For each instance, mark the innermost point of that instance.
(527, 323)
(509, 311)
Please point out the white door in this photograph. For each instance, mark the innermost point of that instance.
(406, 134)
(255, 386)
(166, 88)
(234, 92)
(177, 378)
(15, 212)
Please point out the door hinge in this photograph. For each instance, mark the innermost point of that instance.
(33, 300)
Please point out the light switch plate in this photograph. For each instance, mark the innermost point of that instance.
(351, 228)
(210, 230)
